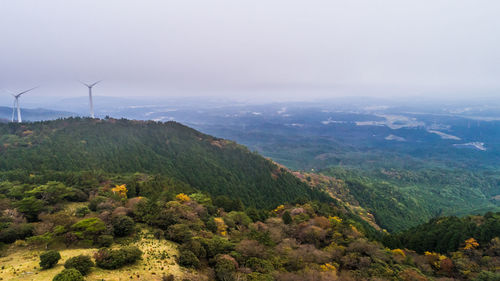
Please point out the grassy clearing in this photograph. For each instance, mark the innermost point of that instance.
(21, 263)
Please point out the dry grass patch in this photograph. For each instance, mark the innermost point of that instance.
(159, 258)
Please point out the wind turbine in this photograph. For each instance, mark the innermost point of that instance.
(16, 104)
(91, 103)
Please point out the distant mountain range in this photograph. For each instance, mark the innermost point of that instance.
(35, 114)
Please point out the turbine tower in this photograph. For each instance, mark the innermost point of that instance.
(91, 103)
(16, 104)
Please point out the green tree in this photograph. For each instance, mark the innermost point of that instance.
(51, 193)
(30, 207)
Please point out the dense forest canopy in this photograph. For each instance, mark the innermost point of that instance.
(401, 198)
(210, 164)
(447, 234)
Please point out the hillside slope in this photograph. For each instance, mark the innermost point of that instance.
(214, 165)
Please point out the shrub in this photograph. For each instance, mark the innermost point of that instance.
(16, 232)
(113, 259)
(104, 240)
(196, 247)
(179, 233)
(217, 245)
(169, 277)
(123, 226)
(210, 224)
(49, 259)
(287, 218)
(131, 254)
(77, 195)
(260, 265)
(81, 263)
(188, 259)
(95, 202)
(39, 240)
(158, 234)
(255, 276)
(251, 248)
(239, 218)
(488, 276)
(225, 269)
(82, 212)
(70, 238)
(89, 227)
(70, 274)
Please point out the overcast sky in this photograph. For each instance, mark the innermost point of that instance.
(272, 48)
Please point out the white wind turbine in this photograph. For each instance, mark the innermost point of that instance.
(16, 104)
(91, 102)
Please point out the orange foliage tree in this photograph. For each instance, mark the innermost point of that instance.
(471, 244)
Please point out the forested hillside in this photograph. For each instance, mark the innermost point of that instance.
(160, 201)
(210, 164)
(402, 198)
(95, 226)
(447, 234)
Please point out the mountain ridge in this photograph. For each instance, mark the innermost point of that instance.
(210, 164)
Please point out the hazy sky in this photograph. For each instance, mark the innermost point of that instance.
(271, 48)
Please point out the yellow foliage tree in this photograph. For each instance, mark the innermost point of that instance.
(120, 190)
(221, 226)
(334, 220)
(399, 252)
(328, 267)
(279, 209)
(434, 259)
(181, 197)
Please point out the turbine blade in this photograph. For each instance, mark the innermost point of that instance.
(18, 95)
(88, 85)
(92, 85)
(9, 91)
